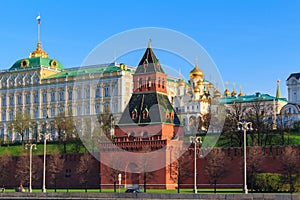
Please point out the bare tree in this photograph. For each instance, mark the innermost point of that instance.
(22, 169)
(215, 168)
(65, 128)
(180, 169)
(106, 122)
(254, 162)
(55, 166)
(258, 114)
(232, 137)
(5, 168)
(20, 124)
(84, 169)
(290, 167)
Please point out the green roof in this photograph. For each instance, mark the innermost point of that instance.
(80, 71)
(35, 63)
(250, 98)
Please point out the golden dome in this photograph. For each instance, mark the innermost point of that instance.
(241, 92)
(233, 93)
(196, 72)
(217, 94)
(226, 92)
(38, 52)
(181, 83)
(196, 90)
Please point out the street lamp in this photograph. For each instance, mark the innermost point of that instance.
(196, 140)
(30, 162)
(46, 137)
(245, 126)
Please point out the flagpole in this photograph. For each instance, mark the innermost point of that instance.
(39, 26)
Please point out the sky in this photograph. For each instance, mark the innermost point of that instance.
(253, 43)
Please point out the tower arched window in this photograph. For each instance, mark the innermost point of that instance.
(149, 82)
(159, 82)
(140, 83)
(163, 83)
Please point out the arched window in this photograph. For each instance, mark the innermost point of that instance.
(140, 83)
(159, 82)
(149, 82)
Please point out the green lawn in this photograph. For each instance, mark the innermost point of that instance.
(52, 148)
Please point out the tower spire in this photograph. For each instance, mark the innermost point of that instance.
(278, 95)
(149, 43)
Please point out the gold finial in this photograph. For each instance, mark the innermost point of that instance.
(226, 92)
(241, 92)
(149, 43)
(197, 62)
(233, 93)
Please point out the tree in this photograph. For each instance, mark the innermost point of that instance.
(290, 167)
(258, 114)
(5, 168)
(65, 128)
(204, 122)
(254, 161)
(106, 121)
(146, 160)
(22, 169)
(21, 124)
(234, 113)
(84, 169)
(180, 169)
(55, 166)
(216, 166)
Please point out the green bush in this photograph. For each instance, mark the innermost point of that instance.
(268, 182)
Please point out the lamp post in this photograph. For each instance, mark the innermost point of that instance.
(46, 137)
(196, 140)
(244, 126)
(30, 162)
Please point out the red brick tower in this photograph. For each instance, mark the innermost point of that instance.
(148, 124)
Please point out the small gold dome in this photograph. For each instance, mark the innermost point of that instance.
(241, 92)
(38, 52)
(233, 93)
(181, 83)
(196, 90)
(217, 94)
(227, 93)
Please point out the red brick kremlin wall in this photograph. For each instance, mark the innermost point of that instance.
(271, 164)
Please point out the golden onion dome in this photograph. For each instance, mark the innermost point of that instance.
(196, 90)
(241, 92)
(227, 92)
(196, 72)
(233, 93)
(217, 94)
(181, 83)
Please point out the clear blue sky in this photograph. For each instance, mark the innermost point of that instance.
(253, 43)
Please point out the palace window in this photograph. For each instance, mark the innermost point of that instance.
(27, 98)
(70, 110)
(11, 100)
(116, 90)
(106, 107)
(70, 94)
(78, 109)
(97, 108)
(44, 112)
(61, 109)
(3, 115)
(20, 99)
(97, 92)
(44, 96)
(11, 115)
(4, 100)
(36, 97)
(52, 111)
(61, 95)
(87, 109)
(106, 91)
(36, 113)
(52, 94)
(78, 93)
(87, 93)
